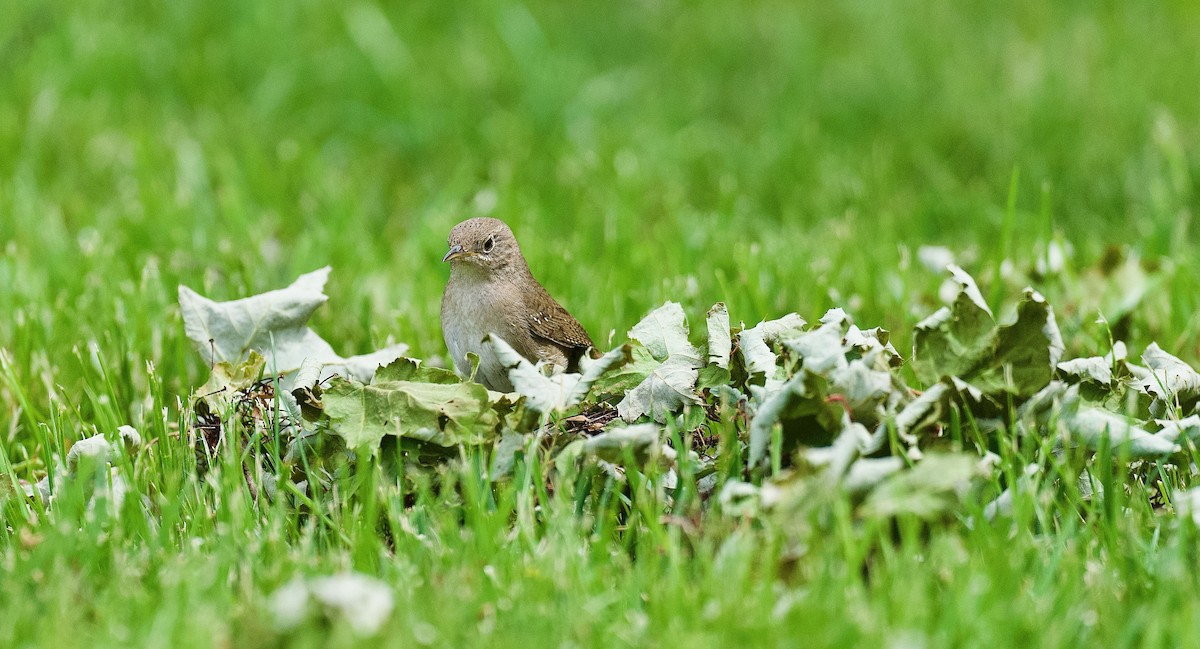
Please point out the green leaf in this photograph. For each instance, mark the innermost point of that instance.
(1029, 349)
(963, 341)
(411, 369)
(627, 376)
(225, 381)
(229, 377)
(445, 414)
(841, 454)
(712, 376)
(952, 340)
(1063, 412)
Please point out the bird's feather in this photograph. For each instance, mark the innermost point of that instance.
(551, 322)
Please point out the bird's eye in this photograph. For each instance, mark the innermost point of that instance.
(489, 244)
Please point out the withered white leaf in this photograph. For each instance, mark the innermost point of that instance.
(275, 324)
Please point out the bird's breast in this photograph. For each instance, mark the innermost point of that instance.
(470, 311)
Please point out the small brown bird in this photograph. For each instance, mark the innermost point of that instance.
(491, 291)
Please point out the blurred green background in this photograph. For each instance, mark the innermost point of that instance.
(778, 156)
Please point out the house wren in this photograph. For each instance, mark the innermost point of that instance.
(491, 291)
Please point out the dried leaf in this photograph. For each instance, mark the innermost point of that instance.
(669, 387)
(274, 324)
(641, 442)
(1170, 378)
(556, 392)
(1097, 369)
(1094, 426)
(719, 341)
(363, 603)
(755, 343)
(821, 349)
(932, 488)
(801, 402)
(671, 384)
(664, 332)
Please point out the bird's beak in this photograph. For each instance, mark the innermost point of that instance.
(454, 252)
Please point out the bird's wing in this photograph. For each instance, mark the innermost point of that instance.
(552, 322)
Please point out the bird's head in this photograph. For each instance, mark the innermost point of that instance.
(487, 244)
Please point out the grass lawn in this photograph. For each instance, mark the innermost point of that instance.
(776, 156)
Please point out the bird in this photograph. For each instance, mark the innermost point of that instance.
(492, 291)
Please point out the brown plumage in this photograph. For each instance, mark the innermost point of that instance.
(492, 291)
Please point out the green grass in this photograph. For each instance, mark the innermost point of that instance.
(777, 156)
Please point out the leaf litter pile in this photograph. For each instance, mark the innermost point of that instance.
(818, 407)
(817, 410)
